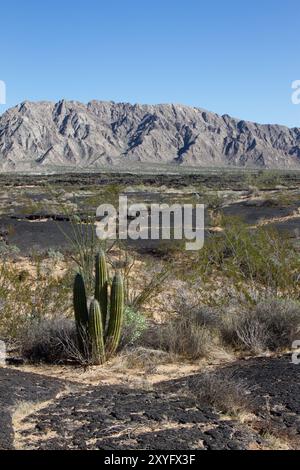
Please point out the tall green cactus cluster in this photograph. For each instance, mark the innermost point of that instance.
(99, 326)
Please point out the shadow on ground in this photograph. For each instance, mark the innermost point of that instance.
(115, 417)
(17, 387)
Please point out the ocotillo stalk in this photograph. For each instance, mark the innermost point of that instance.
(96, 333)
(101, 285)
(116, 315)
(80, 309)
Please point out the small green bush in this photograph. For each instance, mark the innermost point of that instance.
(135, 324)
(259, 258)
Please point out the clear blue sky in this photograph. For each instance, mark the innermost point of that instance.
(231, 56)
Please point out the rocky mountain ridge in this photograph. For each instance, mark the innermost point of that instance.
(73, 135)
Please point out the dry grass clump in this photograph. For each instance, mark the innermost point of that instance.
(272, 325)
(48, 340)
(144, 358)
(223, 393)
(188, 304)
(186, 337)
(54, 341)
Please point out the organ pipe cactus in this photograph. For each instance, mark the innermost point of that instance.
(101, 285)
(80, 310)
(116, 314)
(96, 333)
(103, 336)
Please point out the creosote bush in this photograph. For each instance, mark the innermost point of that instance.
(26, 297)
(258, 259)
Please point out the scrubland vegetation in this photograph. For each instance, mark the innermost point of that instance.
(240, 293)
(238, 296)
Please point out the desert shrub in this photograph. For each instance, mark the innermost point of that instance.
(135, 324)
(168, 249)
(186, 337)
(214, 203)
(272, 325)
(242, 332)
(154, 284)
(7, 250)
(264, 179)
(151, 337)
(53, 341)
(187, 305)
(55, 256)
(253, 191)
(47, 340)
(282, 320)
(24, 297)
(262, 259)
(224, 393)
(193, 332)
(108, 194)
(144, 358)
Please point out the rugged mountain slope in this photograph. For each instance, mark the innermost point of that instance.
(72, 134)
